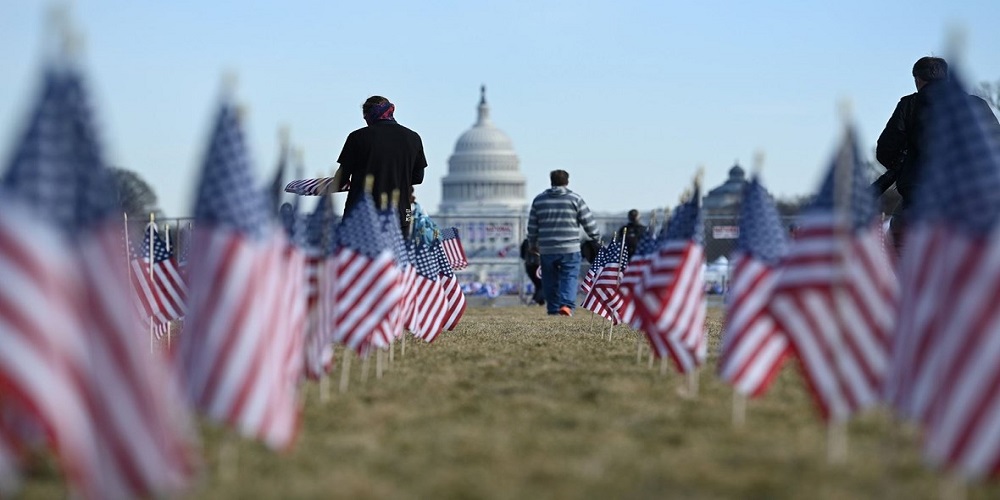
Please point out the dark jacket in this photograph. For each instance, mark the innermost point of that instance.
(633, 231)
(901, 143)
(902, 146)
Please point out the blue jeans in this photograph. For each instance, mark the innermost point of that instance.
(559, 280)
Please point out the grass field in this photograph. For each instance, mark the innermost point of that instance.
(515, 404)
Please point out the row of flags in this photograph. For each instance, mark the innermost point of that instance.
(262, 305)
(920, 333)
(660, 290)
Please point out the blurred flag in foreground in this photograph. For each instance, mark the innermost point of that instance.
(88, 345)
(233, 356)
(945, 372)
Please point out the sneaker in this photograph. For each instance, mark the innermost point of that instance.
(565, 311)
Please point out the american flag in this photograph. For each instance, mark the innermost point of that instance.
(645, 250)
(672, 293)
(137, 419)
(944, 359)
(316, 237)
(159, 289)
(43, 353)
(752, 345)
(454, 298)
(429, 298)
(233, 355)
(836, 294)
(392, 326)
(367, 281)
(316, 187)
(603, 297)
(453, 248)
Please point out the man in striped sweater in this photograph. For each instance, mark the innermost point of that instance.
(554, 223)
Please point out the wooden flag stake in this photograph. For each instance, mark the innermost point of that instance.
(345, 370)
(402, 347)
(378, 363)
(739, 409)
(954, 487)
(836, 428)
(663, 367)
(152, 284)
(324, 389)
(836, 442)
(392, 349)
(692, 379)
(365, 365)
(166, 230)
(229, 459)
(651, 361)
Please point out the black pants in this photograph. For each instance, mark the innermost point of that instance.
(539, 296)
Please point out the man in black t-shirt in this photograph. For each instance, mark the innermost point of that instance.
(386, 150)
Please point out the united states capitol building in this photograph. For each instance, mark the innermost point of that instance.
(483, 195)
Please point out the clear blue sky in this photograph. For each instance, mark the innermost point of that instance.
(629, 96)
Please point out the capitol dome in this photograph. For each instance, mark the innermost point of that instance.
(483, 174)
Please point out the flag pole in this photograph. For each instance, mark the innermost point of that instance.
(739, 409)
(694, 374)
(345, 370)
(152, 283)
(836, 426)
(621, 256)
(365, 364)
(166, 229)
(398, 327)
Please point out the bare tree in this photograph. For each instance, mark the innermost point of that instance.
(135, 196)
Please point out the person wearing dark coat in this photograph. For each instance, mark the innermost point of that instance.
(902, 144)
(632, 232)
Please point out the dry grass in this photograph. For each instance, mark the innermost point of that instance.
(515, 404)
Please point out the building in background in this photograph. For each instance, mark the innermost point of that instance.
(722, 209)
(483, 195)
